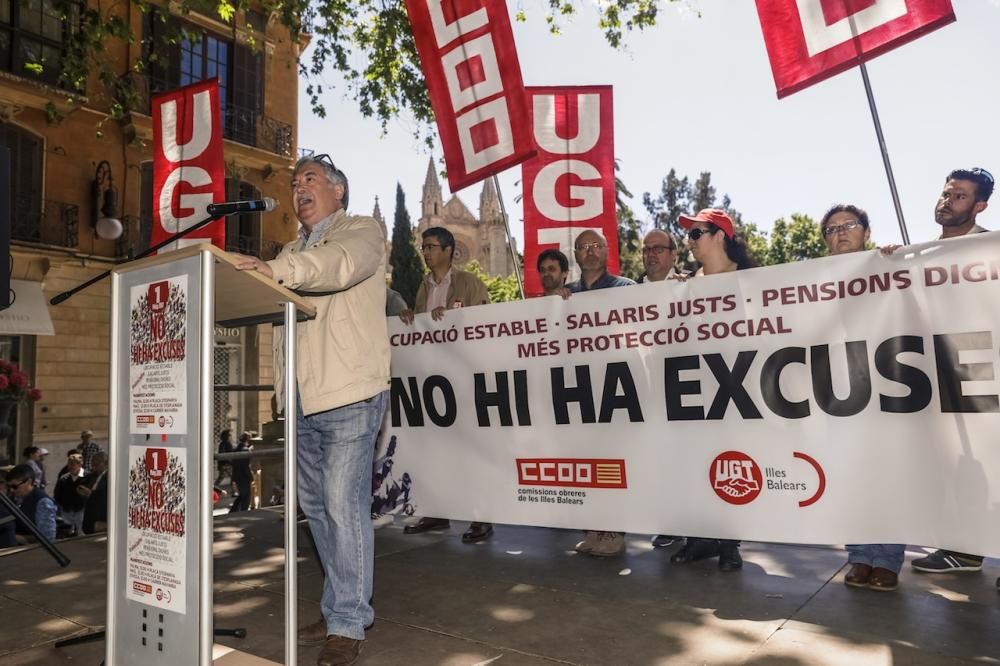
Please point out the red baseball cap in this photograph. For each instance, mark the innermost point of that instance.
(715, 216)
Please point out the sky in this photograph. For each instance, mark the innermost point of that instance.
(696, 94)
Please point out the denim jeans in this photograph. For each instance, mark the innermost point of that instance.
(883, 555)
(335, 450)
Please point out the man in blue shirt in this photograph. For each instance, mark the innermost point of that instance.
(591, 252)
(34, 503)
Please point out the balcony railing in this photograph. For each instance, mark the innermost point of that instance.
(246, 126)
(49, 222)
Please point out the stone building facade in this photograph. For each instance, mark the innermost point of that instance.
(482, 238)
(54, 162)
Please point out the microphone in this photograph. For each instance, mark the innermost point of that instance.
(264, 205)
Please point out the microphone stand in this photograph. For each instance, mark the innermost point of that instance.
(59, 298)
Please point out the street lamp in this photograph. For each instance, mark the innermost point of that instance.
(104, 203)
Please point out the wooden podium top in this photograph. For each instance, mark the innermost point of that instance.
(241, 297)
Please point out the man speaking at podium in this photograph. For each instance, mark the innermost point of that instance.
(342, 362)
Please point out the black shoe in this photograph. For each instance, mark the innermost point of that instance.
(696, 549)
(426, 525)
(946, 561)
(478, 532)
(729, 558)
(664, 540)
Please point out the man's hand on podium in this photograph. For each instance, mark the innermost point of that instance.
(248, 263)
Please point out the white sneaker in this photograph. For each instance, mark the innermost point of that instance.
(381, 520)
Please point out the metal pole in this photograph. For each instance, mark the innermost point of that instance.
(206, 381)
(115, 448)
(291, 492)
(878, 131)
(510, 241)
(885, 153)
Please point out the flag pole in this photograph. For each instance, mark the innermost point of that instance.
(879, 135)
(510, 241)
(885, 153)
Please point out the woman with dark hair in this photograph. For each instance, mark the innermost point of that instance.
(715, 245)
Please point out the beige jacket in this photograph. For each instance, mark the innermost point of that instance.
(465, 290)
(342, 356)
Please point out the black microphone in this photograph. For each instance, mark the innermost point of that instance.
(264, 205)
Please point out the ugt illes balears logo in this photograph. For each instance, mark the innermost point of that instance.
(735, 477)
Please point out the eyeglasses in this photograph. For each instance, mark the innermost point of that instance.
(835, 229)
(658, 249)
(698, 232)
(13, 486)
(979, 171)
(583, 247)
(429, 246)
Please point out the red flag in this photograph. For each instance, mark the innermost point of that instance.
(188, 169)
(474, 81)
(811, 40)
(570, 186)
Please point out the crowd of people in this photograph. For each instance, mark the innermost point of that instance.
(78, 503)
(717, 248)
(339, 262)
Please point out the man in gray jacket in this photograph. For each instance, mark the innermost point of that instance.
(338, 264)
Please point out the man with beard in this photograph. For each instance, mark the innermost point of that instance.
(553, 269)
(591, 252)
(966, 194)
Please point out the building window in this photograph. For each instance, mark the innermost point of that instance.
(25, 182)
(243, 230)
(33, 38)
(193, 54)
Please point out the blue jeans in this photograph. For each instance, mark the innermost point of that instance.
(335, 450)
(883, 555)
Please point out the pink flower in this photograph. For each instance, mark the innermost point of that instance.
(18, 379)
(4, 365)
(4, 382)
(34, 395)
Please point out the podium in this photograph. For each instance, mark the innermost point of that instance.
(161, 443)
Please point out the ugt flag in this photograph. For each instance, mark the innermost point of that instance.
(188, 168)
(811, 40)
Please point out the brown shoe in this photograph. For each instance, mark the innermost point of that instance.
(339, 651)
(426, 525)
(883, 580)
(859, 575)
(313, 634)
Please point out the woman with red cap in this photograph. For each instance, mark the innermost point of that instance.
(714, 244)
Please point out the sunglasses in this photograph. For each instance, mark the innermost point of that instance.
(697, 233)
(326, 159)
(979, 171)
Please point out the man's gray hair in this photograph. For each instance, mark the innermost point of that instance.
(332, 173)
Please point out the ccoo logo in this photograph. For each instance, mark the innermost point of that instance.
(735, 477)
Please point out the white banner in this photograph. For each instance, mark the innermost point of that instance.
(848, 399)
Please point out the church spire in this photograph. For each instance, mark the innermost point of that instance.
(377, 214)
(489, 203)
(432, 202)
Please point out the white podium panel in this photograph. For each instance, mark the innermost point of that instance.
(161, 447)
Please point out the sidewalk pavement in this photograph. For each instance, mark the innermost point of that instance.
(525, 598)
